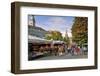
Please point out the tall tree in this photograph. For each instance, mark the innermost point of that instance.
(54, 35)
(80, 30)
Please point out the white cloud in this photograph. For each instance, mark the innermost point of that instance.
(57, 20)
(69, 34)
(63, 34)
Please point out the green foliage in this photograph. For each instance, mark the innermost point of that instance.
(54, 35)
(80, 30)
(67, 40)
(48, 37)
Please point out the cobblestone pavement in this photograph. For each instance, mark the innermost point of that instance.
(68, 56)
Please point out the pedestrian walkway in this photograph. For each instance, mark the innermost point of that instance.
(68, 56)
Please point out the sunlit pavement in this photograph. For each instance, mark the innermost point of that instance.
(68, 56)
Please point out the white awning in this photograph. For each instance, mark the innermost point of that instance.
(36, 39)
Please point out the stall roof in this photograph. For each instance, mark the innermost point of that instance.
(37, 39)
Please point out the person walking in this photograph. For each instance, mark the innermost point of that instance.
(77, 50)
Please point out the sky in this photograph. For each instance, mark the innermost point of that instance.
(57, 23)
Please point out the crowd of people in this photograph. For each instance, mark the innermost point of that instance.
(60, 49)
(74, 50)
(56, 50)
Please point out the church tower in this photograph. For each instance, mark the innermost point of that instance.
(66, 34)
(31, 20)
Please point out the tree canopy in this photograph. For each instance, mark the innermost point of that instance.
(80, 30)
(54, 35)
